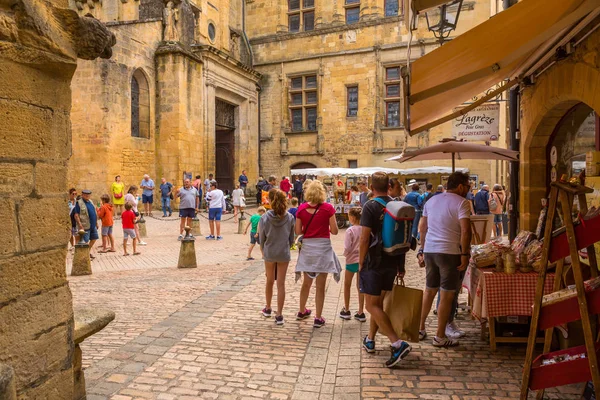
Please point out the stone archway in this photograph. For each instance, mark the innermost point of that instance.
(543, 105)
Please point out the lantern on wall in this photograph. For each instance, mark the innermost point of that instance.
(442, 20)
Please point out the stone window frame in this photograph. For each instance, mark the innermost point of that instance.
(348, 110)
(351, 6)
(140, 105)
(305, 8)
(304, 106)
(392, 2)
(212, 39)
(391, 98)
(353, 163)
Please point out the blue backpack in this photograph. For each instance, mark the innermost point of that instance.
(396, 230)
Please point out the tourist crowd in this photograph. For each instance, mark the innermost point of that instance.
(297, 215)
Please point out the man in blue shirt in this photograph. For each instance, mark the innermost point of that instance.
(86, 218)
(415, 199)
(166, 189)
(364, 192)
(481, 201)
(298, 189)
(243, 181)
(147, 186)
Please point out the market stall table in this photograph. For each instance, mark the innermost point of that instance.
(498, 294)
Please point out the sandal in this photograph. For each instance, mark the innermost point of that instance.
(137, 253)
(111, 251)
(126, 254)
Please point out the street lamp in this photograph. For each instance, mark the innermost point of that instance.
(443, 19)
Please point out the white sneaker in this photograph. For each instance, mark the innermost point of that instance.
(453, 332)
(444, 342)
(142, 243)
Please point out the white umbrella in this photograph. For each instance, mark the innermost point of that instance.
(453, 149)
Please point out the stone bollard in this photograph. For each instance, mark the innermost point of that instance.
(196, 230)
(241, 222)
(187, 254)
(81, 258)
(8, 390)
(142, 227)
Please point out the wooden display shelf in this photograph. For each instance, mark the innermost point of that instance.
(586, 234)
(561, 373)
(562, 307)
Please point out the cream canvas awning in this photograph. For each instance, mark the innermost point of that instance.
(497, 50)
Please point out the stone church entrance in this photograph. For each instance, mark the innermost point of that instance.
(225, 144)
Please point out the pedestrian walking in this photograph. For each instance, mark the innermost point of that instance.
(105, 213)
(298, 189)
(117, 189)
(396, 191)
(72, 201)
(238, 200)
(131, 198)
(197, 183)
(285, 186)
(189, 202)
(86, 219)
(351, 252)
(315, 220)
(216, 206)
(260, 183)
(378, 271)
(445, 250)
(482, 199)
(276, 236)
(243, 181)
(353, 195)
(147, 186)
(271, 183)
(414, 199)
(128, 221)
(294, 207)
(497, 199)
(254, 238)
(364, 192)
(166, 195)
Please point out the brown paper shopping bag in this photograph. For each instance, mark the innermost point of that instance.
(403, 306)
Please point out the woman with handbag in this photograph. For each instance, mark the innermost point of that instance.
(315, 221)
(118, 195)
(276, 235)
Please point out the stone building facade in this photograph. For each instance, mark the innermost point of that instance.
(331, 93)
(261, 85)
(178, 97)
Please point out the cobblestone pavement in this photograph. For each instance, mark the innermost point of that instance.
(197, 333)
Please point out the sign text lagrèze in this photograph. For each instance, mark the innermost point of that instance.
(479, 124)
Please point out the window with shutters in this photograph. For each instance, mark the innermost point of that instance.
(352, 101)
(391, 8)
(352, 11)
(392, 96)
(301, 15)
(303, 102)
(140, 105)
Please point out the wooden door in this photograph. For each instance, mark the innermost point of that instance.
(224, 173)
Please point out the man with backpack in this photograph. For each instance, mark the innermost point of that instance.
(427, 195)
(377, 270)
(446, 250)
(482, 199)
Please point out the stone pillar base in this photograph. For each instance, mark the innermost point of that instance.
(81, 260)
(78, 376)
(187, 254)
(196, 229)
(142, 229)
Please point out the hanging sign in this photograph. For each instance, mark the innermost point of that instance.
(479, 124)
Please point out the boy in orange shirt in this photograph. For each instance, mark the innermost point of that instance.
(105, 213)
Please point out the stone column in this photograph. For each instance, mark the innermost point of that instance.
(196, 228)
(210, 139)
(38, 58)
(81, 259)
(187, 254)
(142, 227)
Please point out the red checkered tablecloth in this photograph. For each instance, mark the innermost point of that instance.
(499, 294)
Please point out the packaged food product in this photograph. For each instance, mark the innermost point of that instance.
(510, 263)
(521, 241)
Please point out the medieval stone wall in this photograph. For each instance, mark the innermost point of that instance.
(103, 146)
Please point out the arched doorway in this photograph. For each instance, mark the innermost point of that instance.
(302, 165)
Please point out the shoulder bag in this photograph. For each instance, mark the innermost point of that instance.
(301, 237)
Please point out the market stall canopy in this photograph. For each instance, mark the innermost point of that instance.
(370, 170)
(453, 149)
(498, 50)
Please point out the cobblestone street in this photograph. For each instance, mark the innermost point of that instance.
(198, 333)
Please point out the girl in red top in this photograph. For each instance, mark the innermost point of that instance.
(315, 220)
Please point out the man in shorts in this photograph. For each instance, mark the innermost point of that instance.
(446, 249)
(188, 205)
(147, 186)
(216, 206)
(377, 272)
(86, 218)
